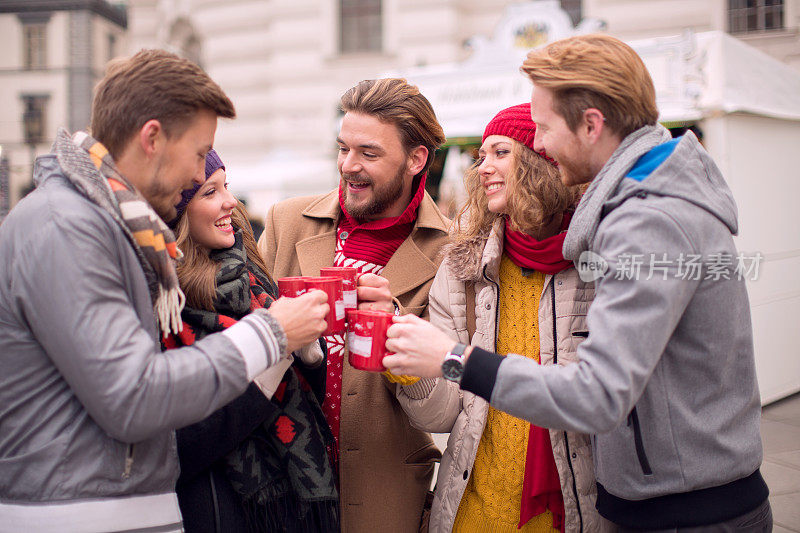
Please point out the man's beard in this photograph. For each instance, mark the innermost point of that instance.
(382, 197)
(160, 198)
(574, 171)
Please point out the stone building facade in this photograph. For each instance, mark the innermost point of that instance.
(54, 51)
(286, 62)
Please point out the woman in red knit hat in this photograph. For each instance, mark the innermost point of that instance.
(502, 282)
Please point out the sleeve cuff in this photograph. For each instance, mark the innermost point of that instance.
(420, 390)
(311, 354)
(260, 341)
(402, 380)
(480, 373)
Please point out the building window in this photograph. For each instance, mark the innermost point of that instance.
(34, 118)
(112, 46)
(573, 9)
(745, 16)
(34, 45)
(183, 40)
(360, 26)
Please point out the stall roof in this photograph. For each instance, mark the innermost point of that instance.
(696, 75)
(748, 80)
(711, 73)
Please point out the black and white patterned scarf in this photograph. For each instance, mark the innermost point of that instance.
(281, 472)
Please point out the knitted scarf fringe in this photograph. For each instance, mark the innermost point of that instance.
(267, 512)
(168, 307)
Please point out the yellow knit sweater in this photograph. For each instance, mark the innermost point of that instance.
(491, 501)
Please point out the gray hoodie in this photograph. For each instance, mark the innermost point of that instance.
(666, 379)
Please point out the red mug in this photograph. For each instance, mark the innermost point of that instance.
(366, 339)
(292, 287)
(349, 277)
(333, 288)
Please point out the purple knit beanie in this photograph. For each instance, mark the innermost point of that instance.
(213, 163)
(515, 122)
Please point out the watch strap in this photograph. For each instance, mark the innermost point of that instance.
(458, 350)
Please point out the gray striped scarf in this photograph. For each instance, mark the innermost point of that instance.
(586, 219)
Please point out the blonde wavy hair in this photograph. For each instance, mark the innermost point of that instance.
(534, 192)
(197, 273)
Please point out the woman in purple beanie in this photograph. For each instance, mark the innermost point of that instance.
(259, 464)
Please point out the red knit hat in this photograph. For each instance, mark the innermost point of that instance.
(515, 122)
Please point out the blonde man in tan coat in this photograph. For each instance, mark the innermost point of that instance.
(381, 221)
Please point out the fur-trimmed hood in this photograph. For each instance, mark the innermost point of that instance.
(466, 258)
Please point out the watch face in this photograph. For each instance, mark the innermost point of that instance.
(452, 369)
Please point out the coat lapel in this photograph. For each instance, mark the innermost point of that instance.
(316, 252)
(408, 268)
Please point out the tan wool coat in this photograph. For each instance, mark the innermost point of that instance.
(448, 409)
(386, 465)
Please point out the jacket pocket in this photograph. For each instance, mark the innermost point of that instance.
(584, 334)
(633, 420)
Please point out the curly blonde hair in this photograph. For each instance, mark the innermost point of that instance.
(534, 192)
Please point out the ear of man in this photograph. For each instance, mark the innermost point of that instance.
(140, 156)
(593, 125)
(417, 159)
(151, 138)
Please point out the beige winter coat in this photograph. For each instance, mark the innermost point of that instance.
(386, 465)
(463, 414)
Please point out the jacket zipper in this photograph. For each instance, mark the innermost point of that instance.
(128, 462)
(633, 418)
(566, 439)
(215, 501)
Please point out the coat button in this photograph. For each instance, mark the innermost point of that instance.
(344, 235)
(574, 455)
(488, 306)
(466, 475)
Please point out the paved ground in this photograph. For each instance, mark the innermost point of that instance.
(780, 432)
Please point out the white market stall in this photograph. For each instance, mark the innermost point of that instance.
(746, 103)
(290, 173)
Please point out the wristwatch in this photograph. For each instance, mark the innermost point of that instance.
(453, 364)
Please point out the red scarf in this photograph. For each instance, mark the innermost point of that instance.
(541, 487)
(376, 241)
(372, 242)
(545, 255)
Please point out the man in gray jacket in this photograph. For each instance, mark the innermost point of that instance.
(88, 402)
(666, 379)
